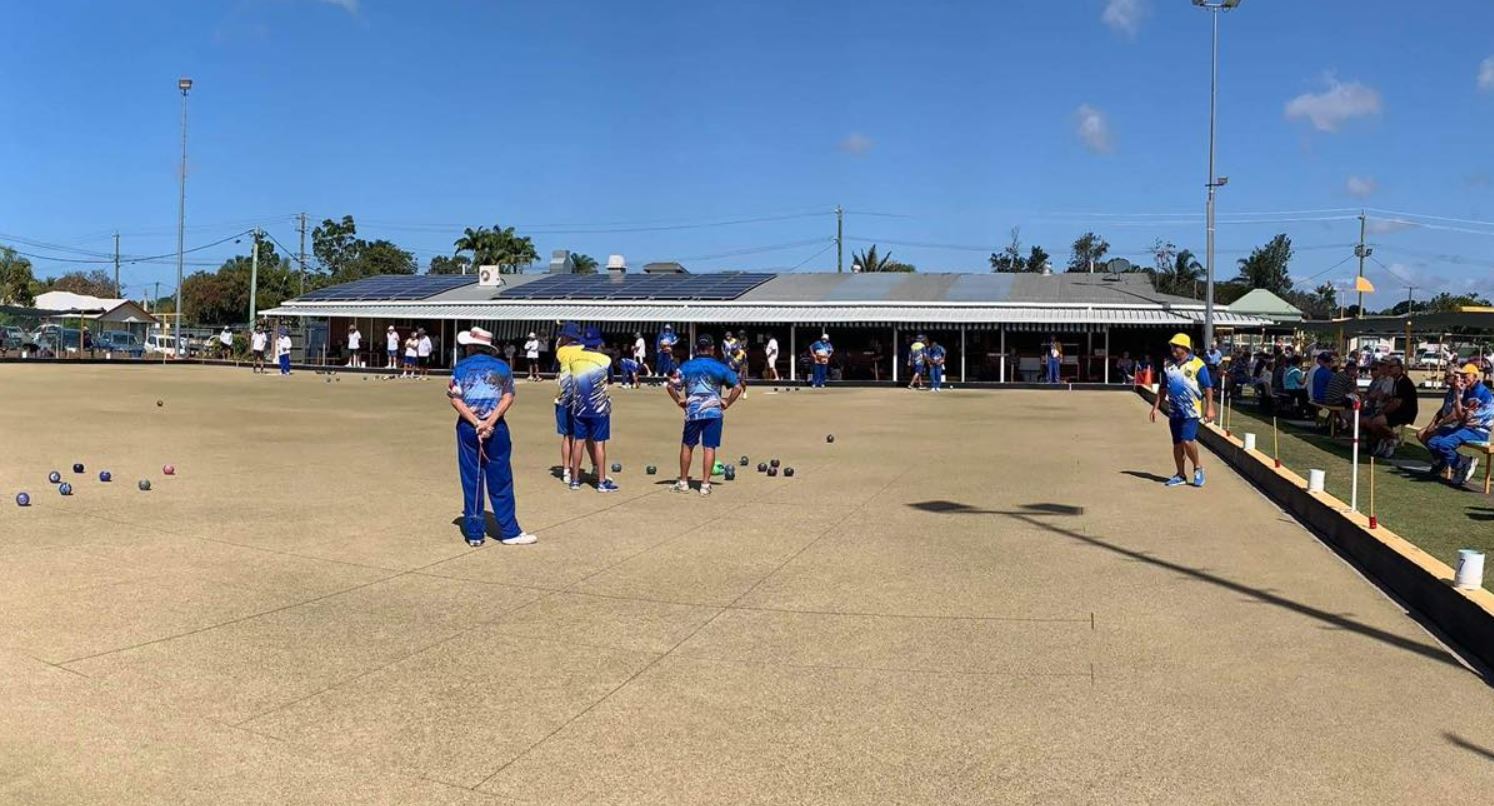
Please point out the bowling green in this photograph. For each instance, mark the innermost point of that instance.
(976, 597)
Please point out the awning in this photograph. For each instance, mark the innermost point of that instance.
(768, 313)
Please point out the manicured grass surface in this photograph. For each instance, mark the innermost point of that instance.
(1429, 512)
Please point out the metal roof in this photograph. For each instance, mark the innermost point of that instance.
(737, 312)
(890, 298)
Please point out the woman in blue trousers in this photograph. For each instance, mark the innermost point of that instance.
(481, 391)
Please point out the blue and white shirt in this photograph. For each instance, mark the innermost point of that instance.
(701, 379)
(822, 350)
(936, 355)
(481, 381)
(666, 341)
(1186, 382)
(588, 371)
(1481, 418)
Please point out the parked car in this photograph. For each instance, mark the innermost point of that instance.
(1430, 359)
(121, 341)
(157, 343)
(12, 338)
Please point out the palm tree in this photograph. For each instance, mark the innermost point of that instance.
(510, 251)
(585, 264)
(1185, 274)
(870, 261)
(475, 241)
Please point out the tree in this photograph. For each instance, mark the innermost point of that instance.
(1037, 260)
(1010, 258)
(96, 283)
(1267, 266)
(585, 264)
(335, 245)
(477, 241)
(499, 246)
(222, 297)
(1164, 256)
(1181, 276)
(1088, 252)
(899, 266)
(870, 261)
(15, 278)
(383, 257)
(441, 264)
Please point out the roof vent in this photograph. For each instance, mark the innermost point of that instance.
(561, 262)
(668, 267)
(616, 266)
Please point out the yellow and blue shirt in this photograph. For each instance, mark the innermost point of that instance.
(588, 380)
(1186, 382)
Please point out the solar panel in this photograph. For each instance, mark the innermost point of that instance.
(390, 287)
(714, 287)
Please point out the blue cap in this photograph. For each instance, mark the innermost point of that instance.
(592, 338)
(570, 330)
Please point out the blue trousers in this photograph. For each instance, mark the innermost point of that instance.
(820, 372)
(490, 465)
(285, 364)
(664, 365)
(1052, 370)
(1445, 444)
(936, 376)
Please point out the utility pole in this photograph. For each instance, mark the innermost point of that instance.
(1362, 252)
(840, 255)
(1215, 8)
(302, 287)
(118, 289)
(253, 278)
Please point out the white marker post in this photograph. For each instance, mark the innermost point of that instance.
(1354, 480)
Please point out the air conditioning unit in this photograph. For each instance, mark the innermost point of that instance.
(489, 276)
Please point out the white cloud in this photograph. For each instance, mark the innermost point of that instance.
(1362, 187)
(1124, 16)
(350, 6)
(1093, 129)
(1385, 226)
(1337, 103)
(1486, 75)
(856, 144)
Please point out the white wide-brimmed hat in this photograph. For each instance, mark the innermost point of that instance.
(476, 336)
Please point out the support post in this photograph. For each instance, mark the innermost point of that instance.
(1001, 378)
(1106, 361)
(894, 355)
(793, 352)
(962, 354)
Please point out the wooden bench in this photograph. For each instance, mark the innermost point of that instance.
(1331, 413)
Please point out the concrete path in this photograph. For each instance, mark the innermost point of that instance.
(971, 598)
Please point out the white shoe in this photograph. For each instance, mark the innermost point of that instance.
(705, 488)
(520, 539)
(565, 477)
(681, 487)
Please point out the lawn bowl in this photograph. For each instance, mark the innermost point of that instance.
(23, 500)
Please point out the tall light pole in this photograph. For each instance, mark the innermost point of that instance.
(185, 85)
(1214, 7)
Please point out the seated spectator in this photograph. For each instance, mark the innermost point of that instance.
(1380, 388)
(1294, 383)
(1341, 385)
(1470, 420)
(1127, 367)
(1395, 409)
(1317, 379)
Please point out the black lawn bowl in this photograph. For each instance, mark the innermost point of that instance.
(788, 472)
(651, 470)
(617, 467)
(772, 471)
(774, 463)
(762, 467)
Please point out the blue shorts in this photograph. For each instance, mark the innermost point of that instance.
(1184, 429)
(595, 427)
(409, 360)
(563, 425)
(707, 431)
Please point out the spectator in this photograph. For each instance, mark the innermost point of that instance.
(391, 347)
(1126, 367)
(1470, 420)
(1294, 383)
(1395, 408)
(355, 346)
(1317, 380)
(1341, 385)
(508, 353)
(532, 357)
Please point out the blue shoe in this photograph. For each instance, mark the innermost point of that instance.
(1175, 481)
(607, 486)
(575, 484)
(1198, 477)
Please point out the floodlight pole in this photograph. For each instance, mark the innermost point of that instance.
(185, 85)
(1214, 183)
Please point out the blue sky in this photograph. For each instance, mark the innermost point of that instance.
(962, 119)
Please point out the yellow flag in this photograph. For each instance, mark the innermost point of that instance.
(1362, 283)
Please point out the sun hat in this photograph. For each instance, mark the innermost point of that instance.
(1181, 340)
(477, 336)
(1471, 369)
(591, 339)
(570, 330)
